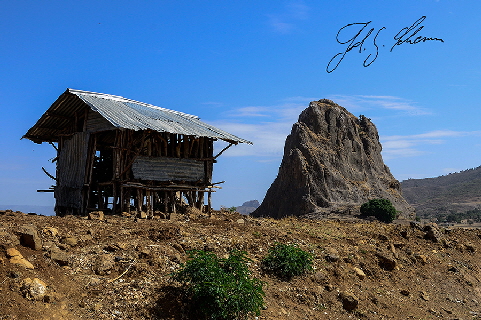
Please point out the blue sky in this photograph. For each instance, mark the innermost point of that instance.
(249, 67)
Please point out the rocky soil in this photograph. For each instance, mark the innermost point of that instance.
(117, 267)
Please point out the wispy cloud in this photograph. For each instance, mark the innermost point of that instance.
(366, 102)
(213, 104)
(414, 145)
(268, 126)
(285, 22)
(252, 112)
(269, 135)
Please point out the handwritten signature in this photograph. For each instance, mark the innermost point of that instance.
(406, 35)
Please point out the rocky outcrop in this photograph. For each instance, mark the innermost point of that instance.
(332, 164)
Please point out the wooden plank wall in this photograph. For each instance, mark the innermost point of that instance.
(168, 169)
(72, 156)
(147, 167)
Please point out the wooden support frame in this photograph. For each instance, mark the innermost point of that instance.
(117, 189)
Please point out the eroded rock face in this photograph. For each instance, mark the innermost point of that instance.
(332, 164)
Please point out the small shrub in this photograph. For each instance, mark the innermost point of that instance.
(382, 209)
(221, 288)
(287, 260)
(230, 210)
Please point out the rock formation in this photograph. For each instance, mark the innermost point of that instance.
(248, 207)
(332, 164)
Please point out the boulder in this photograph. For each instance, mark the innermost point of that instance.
(33, 289)
(386, 261)
(103, 264)
(71, 241)
(17, 258)
(96, 215)
(12, 252)
(332, 164)
(432, 233)
(29, 238)
(51, 231)
(59, 257)
(349, 300)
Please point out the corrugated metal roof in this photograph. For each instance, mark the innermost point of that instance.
(124, 113)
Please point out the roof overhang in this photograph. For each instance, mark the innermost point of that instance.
(121, 113)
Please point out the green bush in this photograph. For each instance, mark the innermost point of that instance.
(287, 260)
(382, 209)
(221, 288)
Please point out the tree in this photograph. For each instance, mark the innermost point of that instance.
(382, 209)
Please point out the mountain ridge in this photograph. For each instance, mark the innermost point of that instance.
(447, 194)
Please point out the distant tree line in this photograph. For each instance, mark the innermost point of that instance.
(456, 217)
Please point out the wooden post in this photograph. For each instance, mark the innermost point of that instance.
(185, 153)
(100, 198)
(128, 197)
(195, 148)
(209, 202)
(166, 145)
(122, 199)
(148, 202)
(115, 196)
(166, 202)
(201, 201)
(172, 195)
(201, 147)
(178, 146)
(140, 200)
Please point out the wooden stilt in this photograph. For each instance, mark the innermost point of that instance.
(201, 201)
(172, 195)
(209, 203)
(114, 201)
(140, 200)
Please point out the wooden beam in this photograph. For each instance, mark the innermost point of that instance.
(48, 174)
(230, 145)
(56, 115)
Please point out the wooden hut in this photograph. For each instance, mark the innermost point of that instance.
(121, 155)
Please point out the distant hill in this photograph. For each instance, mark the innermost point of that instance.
(40, 210)
(248, 207)
(453, 193)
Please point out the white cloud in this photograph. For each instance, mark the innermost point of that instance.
(268, 126)
(280, 26)
(269, 135)
(251, 112)
(413, 145)
(285, 22)
(363, 102)
(268, 138)
(443, 133)
(213, 104)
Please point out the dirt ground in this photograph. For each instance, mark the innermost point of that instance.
(117, 267)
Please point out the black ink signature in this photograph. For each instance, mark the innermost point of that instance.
(404, 36)
(352, 44)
